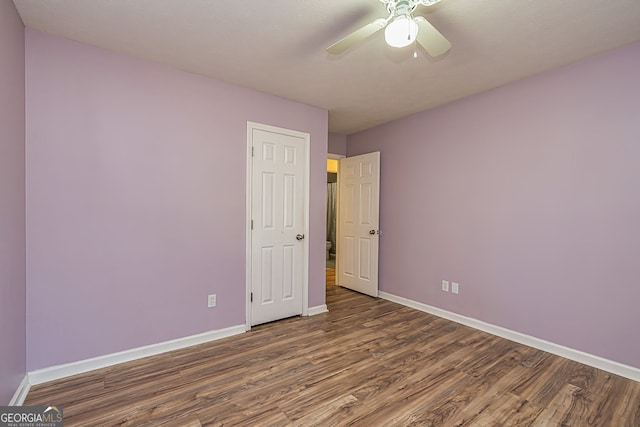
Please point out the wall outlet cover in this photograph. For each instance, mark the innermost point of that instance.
(455, 287)
(445, 285)
(211, 300)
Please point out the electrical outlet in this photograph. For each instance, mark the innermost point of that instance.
(445, 286)
(455, 287)
(211, 300)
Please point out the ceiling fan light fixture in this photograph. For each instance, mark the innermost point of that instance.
(401, 32)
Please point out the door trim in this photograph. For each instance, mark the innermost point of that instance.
(251, 126)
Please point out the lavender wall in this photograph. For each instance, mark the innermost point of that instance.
(528, 196)
(337, 144)
(136, 181)
(12, 204)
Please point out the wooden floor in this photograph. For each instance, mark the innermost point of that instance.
(330, 276)
(367, 362)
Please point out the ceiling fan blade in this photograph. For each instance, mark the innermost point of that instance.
(430, 38)
(357, 36)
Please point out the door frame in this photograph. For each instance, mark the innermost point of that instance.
(251, 126)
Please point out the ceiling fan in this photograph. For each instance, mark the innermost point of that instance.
(402, 29)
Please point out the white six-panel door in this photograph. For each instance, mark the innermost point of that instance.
(278, 244)
(358, 234)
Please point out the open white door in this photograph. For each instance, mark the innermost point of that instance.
(358, 231)
(278, 223)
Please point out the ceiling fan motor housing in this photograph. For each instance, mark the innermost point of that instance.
(405, 7)
(400, 7)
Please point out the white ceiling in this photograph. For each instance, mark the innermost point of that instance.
(278, 46)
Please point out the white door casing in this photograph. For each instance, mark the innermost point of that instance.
(358, 207)
(277, 220)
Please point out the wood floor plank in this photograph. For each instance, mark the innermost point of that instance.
(512, 410)
(560, 409)
(367, 362)
(330, 276)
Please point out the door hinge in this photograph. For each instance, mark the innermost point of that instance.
(252, 152)
(252, 224)
(251, 296)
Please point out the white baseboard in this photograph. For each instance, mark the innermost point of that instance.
(557, 349)
(60, 371)
(317, 310)
(21, 393)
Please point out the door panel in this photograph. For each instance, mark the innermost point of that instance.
(268, 204)
(365, 259)
(346, 266)
(278, 214)
(359, 195)
(289, 272)
(347, 198)
(266, 296)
